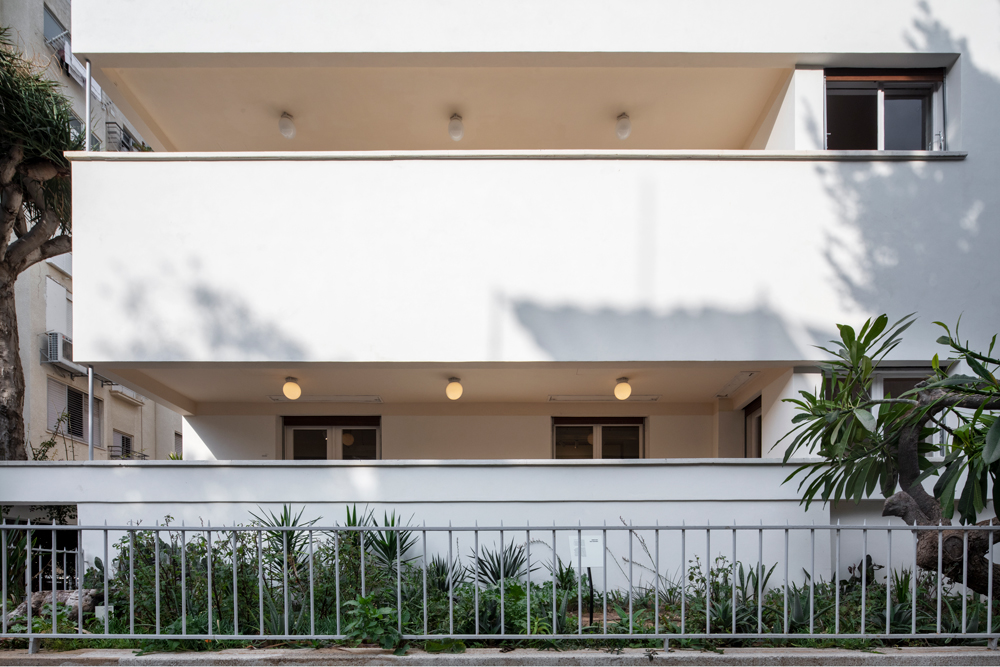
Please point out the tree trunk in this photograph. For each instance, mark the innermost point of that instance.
(12, 443)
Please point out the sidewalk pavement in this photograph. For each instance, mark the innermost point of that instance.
(363, 656)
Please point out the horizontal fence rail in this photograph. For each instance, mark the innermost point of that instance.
(312, 582)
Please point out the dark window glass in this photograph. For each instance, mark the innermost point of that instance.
(620, 442)
(905, 123)
(894, 387)
(574, 442)
(309, 444)
(359, 444)
(52, 28)
(852, 120)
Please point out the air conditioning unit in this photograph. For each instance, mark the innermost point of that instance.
(59, 352)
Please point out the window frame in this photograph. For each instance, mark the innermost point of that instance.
(334, 439)
(98, 414)
(598, 424)
(913, 81)
(121, 435)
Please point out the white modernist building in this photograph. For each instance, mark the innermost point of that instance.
(534, 200)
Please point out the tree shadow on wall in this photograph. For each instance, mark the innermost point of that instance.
(927, 231)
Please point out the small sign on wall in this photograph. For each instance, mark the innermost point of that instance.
(592, 554)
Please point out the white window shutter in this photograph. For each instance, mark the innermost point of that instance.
(56, 300)
(56, 403)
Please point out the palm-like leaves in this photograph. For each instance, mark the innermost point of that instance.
(508, 564)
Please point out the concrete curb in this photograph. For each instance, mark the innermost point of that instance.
(733, 656)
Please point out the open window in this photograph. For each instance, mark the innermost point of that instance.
(598, 438)
(332, 438)
(890, 109)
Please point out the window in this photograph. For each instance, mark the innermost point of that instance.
(76, 129)
(122, 446)
(53, 28)
(63, 399)
(895, 110)
(178, 444)
(600, 438)
(58, 308)
(332, 438)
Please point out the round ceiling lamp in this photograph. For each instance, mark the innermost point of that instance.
(456, 130)
(454, 389)
(286, 126)
(291, 389)
(347, 439)
(623, 127)
(623, 389)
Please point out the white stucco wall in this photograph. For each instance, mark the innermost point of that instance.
(229, 437)
(679, 436)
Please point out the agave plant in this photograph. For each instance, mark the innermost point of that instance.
(442, 577)
(285, 547)
(390, 546)
(509, 564)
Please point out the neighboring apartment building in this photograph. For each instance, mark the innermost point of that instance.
(559, 260)
(127, 424)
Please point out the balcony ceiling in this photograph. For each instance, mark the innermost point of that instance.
(422, 383)
(407, 108)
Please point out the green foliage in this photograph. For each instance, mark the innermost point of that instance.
(35, 115)
(508, 564)
(369, 624)
(857, 436)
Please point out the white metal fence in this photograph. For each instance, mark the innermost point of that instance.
(299, 582)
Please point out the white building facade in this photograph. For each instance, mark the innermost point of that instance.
(538, 201)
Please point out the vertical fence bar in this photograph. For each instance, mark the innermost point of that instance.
(527, 546)
(208, 562)
(864, 573)
(27, 572)
(503, 585)
(156, 567)
(579, 579)
(965, 578)
(683, 578)
(708, 580)
(52, 564)
(836, 582)
(760, 578)
(424, 576)
(80, 567)
(3, 579)
(604, 576)
(131, 582)
(312, 589)
(260, 583)
(630, 594)
(236, 587)
(284, 576)
(913, 587)
(451, 587)
(65, 574)
(361, 550)
(336, 574)
(733, 577)
(812, 579)
(888, 582)
(399, 580)
(556, 564)
(475, 578)
(656, 582)
(107, 566)
(939, 543)
(786, 582)
(184, 608)
(989, 582)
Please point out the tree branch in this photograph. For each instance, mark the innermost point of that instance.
(54, 246)
(8, 167)
(11, 199)
(30, 243)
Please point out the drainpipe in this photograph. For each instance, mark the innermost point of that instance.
(90, 411)
(86, 131)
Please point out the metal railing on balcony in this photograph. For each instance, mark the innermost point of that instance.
(311, 582)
